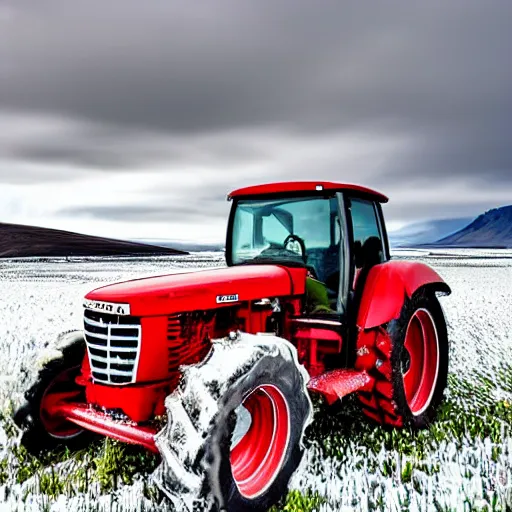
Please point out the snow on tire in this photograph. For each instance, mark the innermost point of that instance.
(235, 427)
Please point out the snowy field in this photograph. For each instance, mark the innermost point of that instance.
(464, 462)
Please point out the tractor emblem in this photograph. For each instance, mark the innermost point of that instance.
(107, 307)
(221, 299)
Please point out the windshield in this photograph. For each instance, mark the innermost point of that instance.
(297, 230)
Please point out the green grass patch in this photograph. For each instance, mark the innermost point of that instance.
(118, 463)
(7, 423)
(296, 501)
(504, 376)
(61, 471)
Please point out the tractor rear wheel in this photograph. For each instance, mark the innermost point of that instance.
(55, 379)
(235, 427)
(409, 361)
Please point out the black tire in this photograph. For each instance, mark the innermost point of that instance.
(284, 376)
(387, 403)
(260, 361)
(66, 359)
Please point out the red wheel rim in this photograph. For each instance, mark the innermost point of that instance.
(259, 455)
(422, 349)
(62, 388)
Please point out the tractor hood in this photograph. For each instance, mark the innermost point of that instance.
(200, 290)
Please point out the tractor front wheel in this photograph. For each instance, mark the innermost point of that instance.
(409, 362)
(54, 381)
(235, 427)
(253, 450)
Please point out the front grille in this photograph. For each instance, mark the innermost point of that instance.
(113, 345)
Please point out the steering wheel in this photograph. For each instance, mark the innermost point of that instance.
(295, 244)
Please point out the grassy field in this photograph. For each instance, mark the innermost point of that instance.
(463, 461)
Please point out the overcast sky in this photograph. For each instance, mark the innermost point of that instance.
(134, 119)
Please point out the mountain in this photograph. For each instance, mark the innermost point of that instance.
(18, 241)
(491, 229)
(427, 232)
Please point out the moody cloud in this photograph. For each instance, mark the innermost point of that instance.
(410, 97)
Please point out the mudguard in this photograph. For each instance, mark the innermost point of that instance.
(388, 284)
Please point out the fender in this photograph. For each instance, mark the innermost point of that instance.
(388, 284)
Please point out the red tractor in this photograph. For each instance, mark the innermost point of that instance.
(213, 369)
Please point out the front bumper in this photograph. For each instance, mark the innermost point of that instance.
(102, 423)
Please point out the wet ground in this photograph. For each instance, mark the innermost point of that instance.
(465, 460)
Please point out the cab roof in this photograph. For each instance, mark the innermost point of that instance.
(289, 187)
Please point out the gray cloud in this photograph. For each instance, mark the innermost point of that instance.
(139, 213)
(174, 86)
(123, 149)
(182, 210)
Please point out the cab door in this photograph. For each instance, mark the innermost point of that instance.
(367, 239)
(320, 334)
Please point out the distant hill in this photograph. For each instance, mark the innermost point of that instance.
(427, 232)
(18, 241)
(491, 229)
(182, 245)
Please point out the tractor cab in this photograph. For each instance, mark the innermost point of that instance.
(335, 231)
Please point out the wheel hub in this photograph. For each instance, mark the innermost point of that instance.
(420, 361)
(258, 456)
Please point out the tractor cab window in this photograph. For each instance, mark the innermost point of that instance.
(295, 231)
(368, 249)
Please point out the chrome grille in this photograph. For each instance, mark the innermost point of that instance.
(113, 345)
